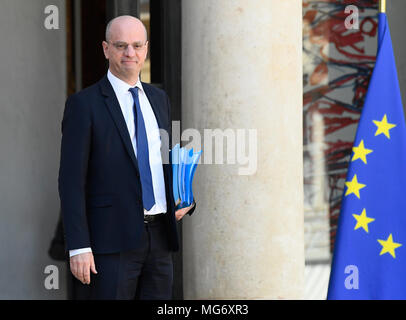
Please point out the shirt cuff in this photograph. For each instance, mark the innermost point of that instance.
(78, 251)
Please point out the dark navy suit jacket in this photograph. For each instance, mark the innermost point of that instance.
(99, 182)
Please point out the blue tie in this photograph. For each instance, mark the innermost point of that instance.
(148, 198)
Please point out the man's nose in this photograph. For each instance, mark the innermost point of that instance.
(129, 51)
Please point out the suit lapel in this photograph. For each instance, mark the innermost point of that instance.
(158, 106)
(114, 108)
(154, 105)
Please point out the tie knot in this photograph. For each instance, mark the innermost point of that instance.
(134, 91)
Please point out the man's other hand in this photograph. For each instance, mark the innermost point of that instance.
(81, 264)
(179, 214)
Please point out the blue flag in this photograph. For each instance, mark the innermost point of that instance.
(369, 259)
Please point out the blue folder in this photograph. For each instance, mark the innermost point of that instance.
(184, 163)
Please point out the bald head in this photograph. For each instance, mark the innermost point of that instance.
(117, 24)
(126, 47)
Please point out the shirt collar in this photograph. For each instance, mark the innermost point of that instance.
(121, 87)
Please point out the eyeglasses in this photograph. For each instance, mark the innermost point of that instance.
(123, 46)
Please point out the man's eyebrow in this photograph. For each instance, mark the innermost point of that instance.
(135, 42)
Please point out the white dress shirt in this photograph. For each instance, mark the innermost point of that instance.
(126, 101)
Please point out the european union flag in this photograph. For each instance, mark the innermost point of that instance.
(369, 259)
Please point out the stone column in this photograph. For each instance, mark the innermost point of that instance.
(242, 70)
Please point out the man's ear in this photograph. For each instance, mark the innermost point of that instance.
(146, 50)
(105, 47)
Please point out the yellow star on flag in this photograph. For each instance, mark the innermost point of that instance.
(389, 246)
(354, 187)
(362, 220)
(383, 126)
(361, 152)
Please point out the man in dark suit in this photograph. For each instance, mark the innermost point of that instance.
(115, 178)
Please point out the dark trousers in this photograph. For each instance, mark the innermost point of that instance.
(145, 273)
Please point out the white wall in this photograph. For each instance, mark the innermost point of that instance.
(396, 13)
(32, 96)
